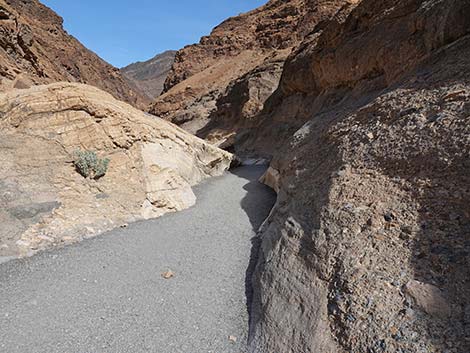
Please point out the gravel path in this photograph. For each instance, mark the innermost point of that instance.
(107, 294)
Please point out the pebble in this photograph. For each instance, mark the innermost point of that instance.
(168, 274)
(23, 243)
(389, 217)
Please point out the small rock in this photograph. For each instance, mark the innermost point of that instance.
(125, 225)
(23, 243)
(45, 237)
(428, 297)
(168, 274)
(102, 196)
(232, 339)
(389, 217)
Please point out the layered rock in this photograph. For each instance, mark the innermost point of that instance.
(367, 247)
(35, 49)
(46, 202)
(150, 75)
(208, 77)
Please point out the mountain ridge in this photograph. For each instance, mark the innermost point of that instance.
(150, 75)
(36, 49)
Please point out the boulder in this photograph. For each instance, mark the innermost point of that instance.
(45, 201)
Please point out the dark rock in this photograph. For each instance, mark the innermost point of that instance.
(32, 210)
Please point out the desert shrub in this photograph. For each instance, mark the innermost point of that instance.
(89, 165)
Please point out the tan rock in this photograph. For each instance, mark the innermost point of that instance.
(168, 274)
(428, 297)
(271, 178)
(153, 164)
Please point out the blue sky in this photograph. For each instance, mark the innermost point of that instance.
(125, 31)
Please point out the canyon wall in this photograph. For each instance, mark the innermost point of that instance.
(244, 54)
(362, 107)
(367, 247)
(35, 49)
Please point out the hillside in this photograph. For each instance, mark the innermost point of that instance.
(369, 137)
(258, 41)
(35, 49)
(150, 75)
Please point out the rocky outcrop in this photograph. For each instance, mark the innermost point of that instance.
(150, 75)
(46, 202)
(238, 108)
(367, 247)
(35, 49)
(211, 79)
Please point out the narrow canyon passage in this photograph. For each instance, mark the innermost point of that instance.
(107, 294)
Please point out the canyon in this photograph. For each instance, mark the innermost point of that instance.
(365, 122)
(360, 111)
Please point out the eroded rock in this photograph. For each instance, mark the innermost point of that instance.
(428, 297)
(217, 86)
(35, 49)
(367, 247)
(46, 202)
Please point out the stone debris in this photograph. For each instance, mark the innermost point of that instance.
(168, 274)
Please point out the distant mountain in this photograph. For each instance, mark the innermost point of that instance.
(35, 49)
(150, 75)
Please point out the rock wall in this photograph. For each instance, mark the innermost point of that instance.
(35, 49)
(44, 200)
(367, 247)
(210, 79)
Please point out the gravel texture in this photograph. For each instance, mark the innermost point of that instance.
(107, 294)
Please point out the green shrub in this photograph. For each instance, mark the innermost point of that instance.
(89, 165)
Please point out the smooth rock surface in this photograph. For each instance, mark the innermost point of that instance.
(46, 202)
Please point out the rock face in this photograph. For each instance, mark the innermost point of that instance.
(46, 202)
(367, 248)
(231, 72)
(150, 75)
(35, 49)
(364, 115)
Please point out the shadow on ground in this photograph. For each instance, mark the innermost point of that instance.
(257, 204)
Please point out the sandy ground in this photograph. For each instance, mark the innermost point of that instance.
(107, 294)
